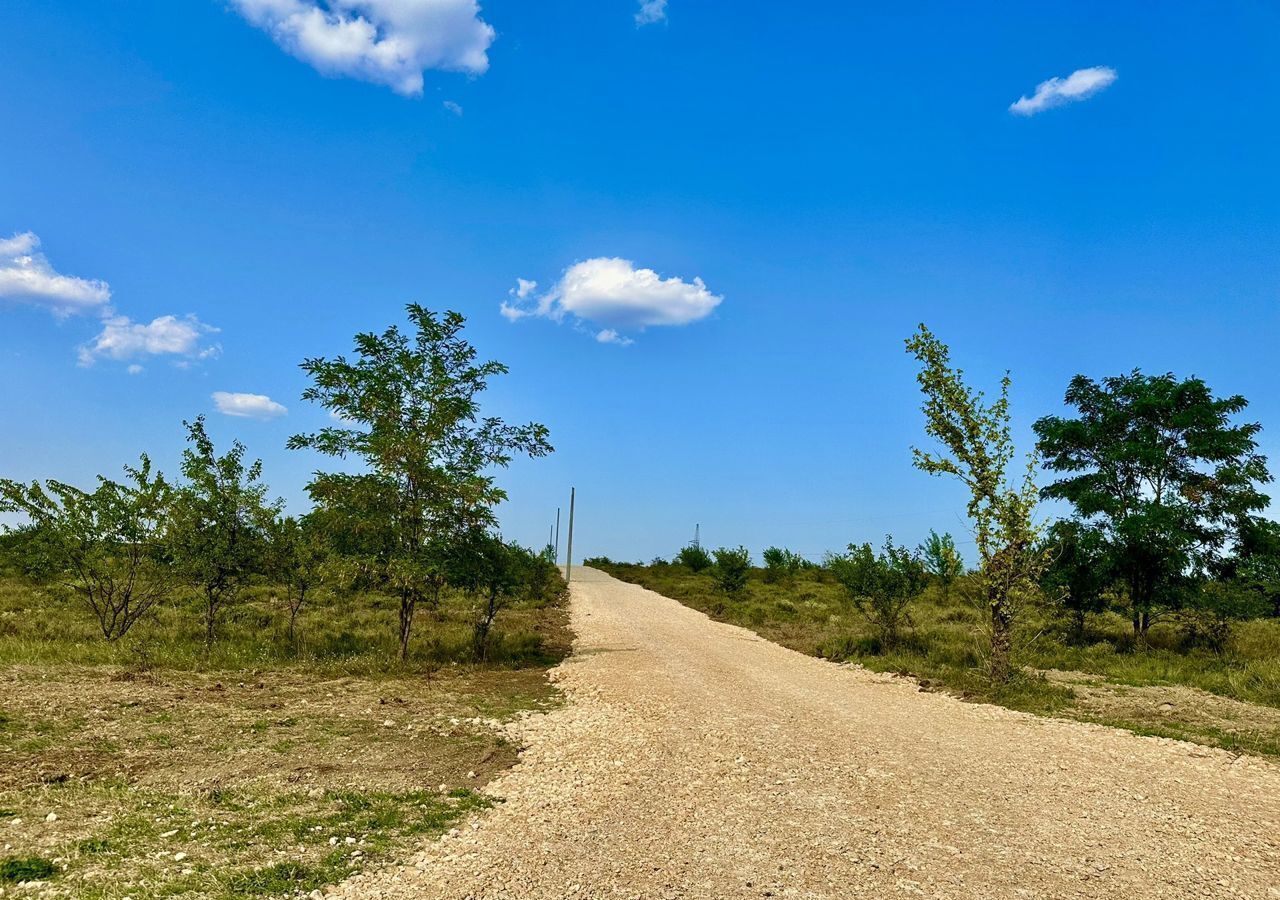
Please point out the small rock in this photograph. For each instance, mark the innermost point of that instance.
(52, 817)
(179, 857)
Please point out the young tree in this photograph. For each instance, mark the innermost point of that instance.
(498, 573)
(731, 570)
(880, 587)
(1078, 572)
(942, 561)
(781, 565)
(1158, 464)
(978, 449)
(220, 520)
(694, 558)
(296, 555)
(104, 547)
(409, 409)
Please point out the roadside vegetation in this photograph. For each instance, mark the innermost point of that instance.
(1153, 605)
(205, 697)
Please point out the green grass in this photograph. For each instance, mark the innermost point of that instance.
(942, 648)
(274, 767)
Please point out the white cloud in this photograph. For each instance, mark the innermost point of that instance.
(387, 42)
(247, 406)
(454, 108)
(614, 294)
(1079, 85)
(122, 339)
(26, 275)
(651, 11)
(134, 369)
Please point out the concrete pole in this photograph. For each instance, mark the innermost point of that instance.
(568, 557)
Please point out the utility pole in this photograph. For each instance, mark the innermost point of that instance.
(557, 534)
(568, 557)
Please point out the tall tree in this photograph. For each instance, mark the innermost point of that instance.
(103, 546)
(977, 449)
(1159, 465)
(408, 408)
(1078, 572)
(220, 521)
(942, 560)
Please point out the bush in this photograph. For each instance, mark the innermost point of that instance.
(694, 558)
(881, 587)
(731, 570)
(781, 565)
(29, 868)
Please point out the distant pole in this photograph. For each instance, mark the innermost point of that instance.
(568, 556)
(697, 535)
(557, 534)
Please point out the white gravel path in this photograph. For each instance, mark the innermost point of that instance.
(694, 759)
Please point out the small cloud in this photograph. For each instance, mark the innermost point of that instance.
(614, 294)
(609, 336)
(122, 338)
(390, 42)
(651, 12)
(453, 107)
(248, 406)
(27, 276)
(134, 369)
(1079, 85)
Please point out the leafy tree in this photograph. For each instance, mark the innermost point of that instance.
(1257, 562)
(297, 554)
(977, 449)
(409, 409)
(694, 558)
(1158, 464)
(1212, 610)
(1078, 573)
(781, 565)
(731, 569)
(881, 586)
(498, 573)
(104, 547)
(220, 520)
(942, 560)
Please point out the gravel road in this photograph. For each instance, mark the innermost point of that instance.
(694, 759)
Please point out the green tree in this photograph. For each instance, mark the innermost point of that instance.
(1257, 562)
(942, 561)
(694, 558)
(781, 565)
(1079, 571)
(1158, 464)
(408, 408)
(296, 555)
(977, 449)
(731, 569)
(881, 587)
(104, 547)
(220, 519)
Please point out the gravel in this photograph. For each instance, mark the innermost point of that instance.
(694, 759)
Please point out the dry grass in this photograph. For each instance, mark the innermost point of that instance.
(153, 771)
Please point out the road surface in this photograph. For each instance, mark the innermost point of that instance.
(694, 759)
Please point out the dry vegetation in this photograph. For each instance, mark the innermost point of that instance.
(152, 768)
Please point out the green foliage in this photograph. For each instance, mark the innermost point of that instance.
(409, 404)
(781, 565)
(297, 558)
(694, 558)
(977, 441)
(1212, 612)
(1078, 573)
(942, 560)
(103, 547)
(731, 570)
(1158, 465)
(880, 586)
(497, 573)
(218, 531)
(26, 868)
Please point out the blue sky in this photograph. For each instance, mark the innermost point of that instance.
(833, 173)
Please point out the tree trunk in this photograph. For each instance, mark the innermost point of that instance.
(999, 664)
(408, 603)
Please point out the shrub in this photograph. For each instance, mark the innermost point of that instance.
(781, 565)
(881, 587)
(731, 569)
(694, 558)
(26, 868)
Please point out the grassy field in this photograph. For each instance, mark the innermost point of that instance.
(153, 768)
(1229, 700)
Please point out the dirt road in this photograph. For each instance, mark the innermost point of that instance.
(694, 759)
